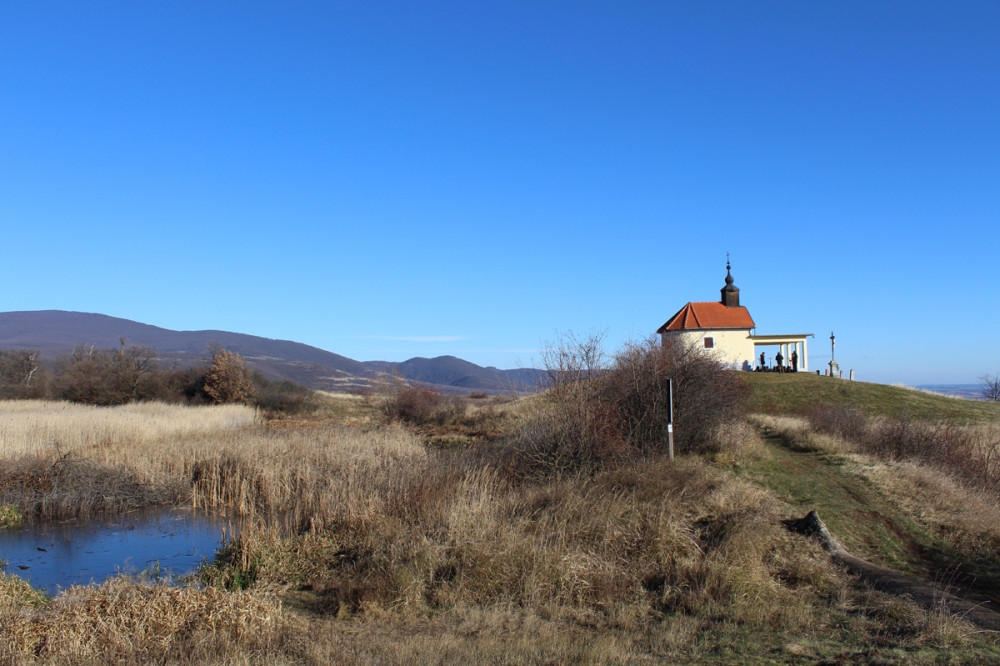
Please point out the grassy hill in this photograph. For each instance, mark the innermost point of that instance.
(797, 393)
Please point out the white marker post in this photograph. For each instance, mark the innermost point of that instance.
(670, 420)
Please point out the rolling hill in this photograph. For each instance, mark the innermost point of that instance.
(56, 332)
(456, 373)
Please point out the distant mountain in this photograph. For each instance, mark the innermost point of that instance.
(456, 373)
(57, 332)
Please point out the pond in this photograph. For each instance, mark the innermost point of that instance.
(53, 556)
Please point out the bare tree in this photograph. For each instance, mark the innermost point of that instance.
(130, 369)
(19, 366)
(21, 374)
(991, 386)
(109, 376)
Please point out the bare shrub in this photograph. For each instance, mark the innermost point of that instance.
(229, 379)
(411, 403)
(573, 427)
(599, 414)
(280, 398)
(109, 376)
(991, 386)
(398, 401)
(971, 454)
(706, 395)
(559, 439)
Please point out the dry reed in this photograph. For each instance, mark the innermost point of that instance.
(379, 527)
(124, 622)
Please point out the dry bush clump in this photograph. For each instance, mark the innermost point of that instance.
(971, 453)
(109, 376)
(418, 406)
(706, 395)
(22, 375)
(229, 379)
(596, 414)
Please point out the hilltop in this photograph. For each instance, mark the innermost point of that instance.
(798, 393)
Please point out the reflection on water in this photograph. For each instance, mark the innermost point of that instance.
(56, 555)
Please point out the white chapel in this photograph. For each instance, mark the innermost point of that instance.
(725, 329)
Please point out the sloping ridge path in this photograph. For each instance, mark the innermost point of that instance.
(886, 580)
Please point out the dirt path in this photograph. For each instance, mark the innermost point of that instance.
(868, 524)
(925, 594)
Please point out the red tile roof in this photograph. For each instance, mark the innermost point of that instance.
(694, 316)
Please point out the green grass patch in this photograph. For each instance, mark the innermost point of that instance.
(10, 516)
(857, 514)
(863, 519)
(796, 393)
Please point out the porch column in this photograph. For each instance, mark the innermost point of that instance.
(805, 355)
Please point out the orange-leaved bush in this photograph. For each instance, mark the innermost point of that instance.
(229, 379)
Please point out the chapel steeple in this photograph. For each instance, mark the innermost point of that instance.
(730, 293)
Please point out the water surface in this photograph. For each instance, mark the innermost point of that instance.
(53, 556)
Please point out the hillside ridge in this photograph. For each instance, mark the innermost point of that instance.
(56, 332)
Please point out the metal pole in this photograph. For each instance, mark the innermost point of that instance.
(670, 420)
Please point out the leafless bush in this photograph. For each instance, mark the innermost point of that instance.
(991, 386)
(843, 420)
(418, 405)
(573, 429)
(705, 395)
(110, 376)
(599, 414)
(413, 404)
(971, 454)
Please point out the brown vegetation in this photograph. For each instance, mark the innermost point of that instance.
(971, 453)
(228, 378)
(559, 533)
(130, 622)
(595, 415)
(130, 374)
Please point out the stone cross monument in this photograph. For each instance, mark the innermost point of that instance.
(834, 366)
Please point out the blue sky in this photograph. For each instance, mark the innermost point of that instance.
(395, 179)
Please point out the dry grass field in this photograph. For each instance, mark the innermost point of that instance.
(366, 541)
